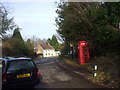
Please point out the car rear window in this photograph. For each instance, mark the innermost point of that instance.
(20, 64)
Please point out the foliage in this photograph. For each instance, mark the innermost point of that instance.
(6, 22)
(96, 23)
(30, 47)
(7, 48)
(15, 46)
(106, 76)
(53, 42)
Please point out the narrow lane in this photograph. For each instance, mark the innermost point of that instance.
(56, 77)
(45, 60)
(0, 78)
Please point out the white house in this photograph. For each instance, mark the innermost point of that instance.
(44, 50)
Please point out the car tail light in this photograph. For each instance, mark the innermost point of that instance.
(4, 77)
(38, 73)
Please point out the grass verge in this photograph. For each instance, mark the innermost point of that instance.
(107, 70)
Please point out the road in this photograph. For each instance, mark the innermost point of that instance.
(55, 76)
(0, 74)
(0, 78)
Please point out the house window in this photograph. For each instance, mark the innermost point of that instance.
(51, 54)
(46, 53)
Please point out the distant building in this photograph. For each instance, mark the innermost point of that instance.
(57, 53)
(44, 50)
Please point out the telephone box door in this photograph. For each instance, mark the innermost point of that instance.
(83, 52)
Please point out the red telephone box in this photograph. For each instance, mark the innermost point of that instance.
(84, 56)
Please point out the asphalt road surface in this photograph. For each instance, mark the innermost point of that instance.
(0, 76)
(55, 76)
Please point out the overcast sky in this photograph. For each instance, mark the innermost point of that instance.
(34, 18)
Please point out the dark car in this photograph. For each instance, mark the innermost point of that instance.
(19, 72)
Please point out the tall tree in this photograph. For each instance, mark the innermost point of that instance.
(93, 22)
(72, 21)
(17, 34)
(53, 42)
(30, 46)
(18, 43)
(6, 23)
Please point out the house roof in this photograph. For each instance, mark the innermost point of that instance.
(45, 46)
